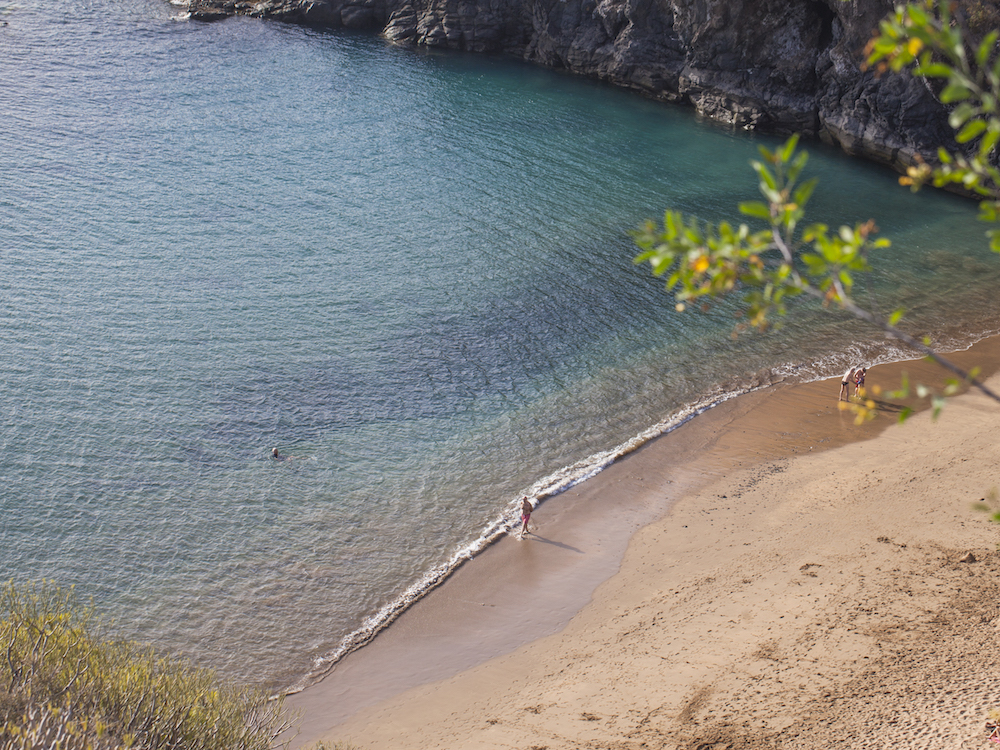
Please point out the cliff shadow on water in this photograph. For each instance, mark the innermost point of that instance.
(769, 65)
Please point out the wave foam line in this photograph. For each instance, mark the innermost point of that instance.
(504, 524)
(569, 476)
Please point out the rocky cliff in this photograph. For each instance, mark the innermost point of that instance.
(776, 65)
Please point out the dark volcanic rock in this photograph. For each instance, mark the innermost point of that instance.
(778, 65)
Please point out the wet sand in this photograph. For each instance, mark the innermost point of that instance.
(524, 646)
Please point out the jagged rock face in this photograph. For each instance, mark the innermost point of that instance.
(778, 65)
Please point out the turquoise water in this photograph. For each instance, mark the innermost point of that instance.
(408, 270)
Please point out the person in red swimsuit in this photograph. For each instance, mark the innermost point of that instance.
(859, 381)
(526, 508)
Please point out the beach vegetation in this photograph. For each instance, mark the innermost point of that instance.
(63, 685)
(789, 259)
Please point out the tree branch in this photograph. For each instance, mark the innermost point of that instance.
(912, 342)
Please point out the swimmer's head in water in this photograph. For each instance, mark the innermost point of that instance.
(274, 452)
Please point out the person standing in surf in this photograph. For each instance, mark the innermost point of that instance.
(526, 509)
(845, 384)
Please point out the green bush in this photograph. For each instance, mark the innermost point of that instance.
(61, 686)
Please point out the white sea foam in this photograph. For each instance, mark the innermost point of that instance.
(569, 476)
(503, 524)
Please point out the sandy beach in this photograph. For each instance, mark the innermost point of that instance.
(770, 575)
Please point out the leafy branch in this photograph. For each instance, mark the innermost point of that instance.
(927, 40)
(772, 266)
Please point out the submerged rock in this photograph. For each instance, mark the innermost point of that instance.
(781, 66)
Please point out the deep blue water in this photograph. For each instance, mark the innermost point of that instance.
(407, 269)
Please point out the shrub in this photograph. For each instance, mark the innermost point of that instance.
(63, 686)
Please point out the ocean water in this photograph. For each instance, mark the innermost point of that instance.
(407, 269)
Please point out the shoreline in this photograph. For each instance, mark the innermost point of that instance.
(515, 593)
(546, 488)
(504, 525)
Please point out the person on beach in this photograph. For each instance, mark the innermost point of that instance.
(526, 509)
(845, 383)
(859, 382)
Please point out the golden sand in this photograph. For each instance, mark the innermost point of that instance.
(810, 586)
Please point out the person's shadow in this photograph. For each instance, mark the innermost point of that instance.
(887, 406)
(554, 543)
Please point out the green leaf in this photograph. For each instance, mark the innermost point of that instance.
(916, 14)
(960, 115)
(797, 165)
(989, 140)
(955, 92)
(789, 148)
(756, 209)
(934, 70)
(972, 129)
(983, 53)
(994, 236)
(771, 194)
(896, 316)
(816, 266)
(938, 403)
(766, 178)
(805, 191)
(815, 232)
(662, 265)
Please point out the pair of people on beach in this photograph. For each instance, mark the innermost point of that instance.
(856, 376)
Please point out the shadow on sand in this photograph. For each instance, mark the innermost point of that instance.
(532, 535)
